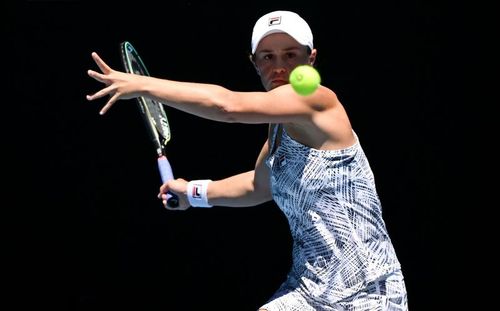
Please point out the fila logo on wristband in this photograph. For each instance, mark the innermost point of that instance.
(197, 193)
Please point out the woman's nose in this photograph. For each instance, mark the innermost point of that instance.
(279, 70)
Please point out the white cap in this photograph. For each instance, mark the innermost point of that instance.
(282, 21)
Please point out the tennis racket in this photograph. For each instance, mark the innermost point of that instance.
(154, 117)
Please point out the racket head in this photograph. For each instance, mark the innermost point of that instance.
(152, 111)
(154, 116)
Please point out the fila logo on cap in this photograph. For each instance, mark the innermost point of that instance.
(282, 21)
(274, 21)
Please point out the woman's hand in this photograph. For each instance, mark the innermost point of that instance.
(119, 85)
(178, 187)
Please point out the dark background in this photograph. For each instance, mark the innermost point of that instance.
(84, 229)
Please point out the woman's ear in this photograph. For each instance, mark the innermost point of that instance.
(252, 60)
(312, 57)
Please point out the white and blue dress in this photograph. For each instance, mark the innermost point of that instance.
(343, 258)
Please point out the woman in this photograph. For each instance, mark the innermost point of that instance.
(312, 165)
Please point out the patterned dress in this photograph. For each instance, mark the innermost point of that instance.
(343, 258)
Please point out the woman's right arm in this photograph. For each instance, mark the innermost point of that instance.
(245, 189)
(241, 190)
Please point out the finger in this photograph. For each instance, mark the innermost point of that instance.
(105, 91)
(109, 104)
(97, 76)
(101, 64)
(163, 189)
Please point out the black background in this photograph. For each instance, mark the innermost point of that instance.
(84, 229)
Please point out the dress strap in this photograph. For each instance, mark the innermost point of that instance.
(276, 137)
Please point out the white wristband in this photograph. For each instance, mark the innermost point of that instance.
(197, 193)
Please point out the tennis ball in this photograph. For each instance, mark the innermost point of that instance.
(304, 79)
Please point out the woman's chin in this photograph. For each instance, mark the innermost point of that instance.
(275, 84)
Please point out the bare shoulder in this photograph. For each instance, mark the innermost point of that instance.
(321, 99)
(324, 98)
(329, 126)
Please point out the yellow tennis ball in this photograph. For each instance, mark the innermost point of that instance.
(304, 79)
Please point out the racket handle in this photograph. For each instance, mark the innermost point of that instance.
(166, 175)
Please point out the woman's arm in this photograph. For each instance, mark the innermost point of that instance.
(245, 189)
(280, 105)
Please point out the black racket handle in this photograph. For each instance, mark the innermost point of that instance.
(173, 201)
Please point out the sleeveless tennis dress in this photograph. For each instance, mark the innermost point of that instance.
(343, 258)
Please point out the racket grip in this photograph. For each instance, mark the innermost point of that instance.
(166, 175)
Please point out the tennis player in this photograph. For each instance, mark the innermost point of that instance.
(312, 165)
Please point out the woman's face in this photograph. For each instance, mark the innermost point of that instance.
(276, 56)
